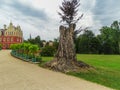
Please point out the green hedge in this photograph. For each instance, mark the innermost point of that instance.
(48, 51)
(26, 51)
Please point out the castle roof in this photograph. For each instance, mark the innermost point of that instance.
(2, 29)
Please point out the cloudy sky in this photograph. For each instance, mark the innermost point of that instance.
(39, 17)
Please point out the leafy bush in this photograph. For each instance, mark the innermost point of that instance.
(13, 46)
(26, 51)
(31, 56)
(48, 51)
(0, 46)
(38, 59)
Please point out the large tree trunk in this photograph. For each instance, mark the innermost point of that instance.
(65, 58)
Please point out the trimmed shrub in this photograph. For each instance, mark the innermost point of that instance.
(0, 46)
(48, 51)
(26, 51)
(38, 59)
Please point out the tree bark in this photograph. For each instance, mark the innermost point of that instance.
(65, 59)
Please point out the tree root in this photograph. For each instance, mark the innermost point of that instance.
(75, 66)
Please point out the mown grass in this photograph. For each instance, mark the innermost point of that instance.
(107, 71)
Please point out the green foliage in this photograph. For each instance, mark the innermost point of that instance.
(48, 51)
(26, 47)
(36, 41)
(33, 49)
(107, 42)
(0, 46)
(13, 46)
(110, 40)
(38, 59)
(55, 43)
(26, 50)
(87, 43)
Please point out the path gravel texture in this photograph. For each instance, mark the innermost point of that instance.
(16, 74)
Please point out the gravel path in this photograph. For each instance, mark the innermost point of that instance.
(19, 75)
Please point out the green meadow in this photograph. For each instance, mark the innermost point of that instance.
(107, 69)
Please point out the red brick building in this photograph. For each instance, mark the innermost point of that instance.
(10, 35)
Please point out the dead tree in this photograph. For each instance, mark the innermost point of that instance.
(65, 59)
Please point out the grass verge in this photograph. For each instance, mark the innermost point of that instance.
(107, 71)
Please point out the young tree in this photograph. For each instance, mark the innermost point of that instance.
(65, 58)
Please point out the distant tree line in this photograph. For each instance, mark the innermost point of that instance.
(46, 49)
(107, 42)
(37, 40)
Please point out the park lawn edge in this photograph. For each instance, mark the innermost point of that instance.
(102, 76)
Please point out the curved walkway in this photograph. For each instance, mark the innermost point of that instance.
(19, 75)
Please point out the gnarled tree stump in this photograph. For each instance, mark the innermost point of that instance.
(65, 59)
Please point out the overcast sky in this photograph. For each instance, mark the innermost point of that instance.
(39, 17)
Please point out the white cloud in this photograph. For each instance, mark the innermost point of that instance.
(31, 15)
(51, 7)
(30, 25)
(86, 8)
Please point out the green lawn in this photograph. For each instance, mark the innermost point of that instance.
(107, 69)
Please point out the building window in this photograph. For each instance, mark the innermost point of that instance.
(17, 39)
(4, 39)
(20, 40)
(11, 39)
(11, 33)
(8, 39)
(0, 39)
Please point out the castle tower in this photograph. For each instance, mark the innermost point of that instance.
(10, 35)
(30, 37)
(10, 23)
(5, 26)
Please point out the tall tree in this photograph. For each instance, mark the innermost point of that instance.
(109, 40)
(56, 43)
(87, 43)
(116, 27)
(36, 40)
(65, 58)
